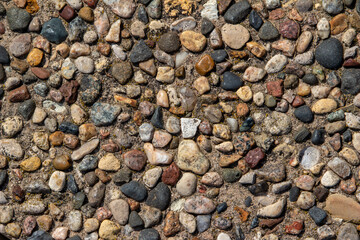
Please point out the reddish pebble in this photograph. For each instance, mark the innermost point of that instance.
(276, 14)
(335, 142)
(110, 147)
(29, 225)
(2, 28)
(171, 175)
(289, 29)
(56, 95)
(41, 73)
(351, 63)
(103, 213)
(91, 3)
(69, 91)
(135, 159)
(253, 157)
(205, 127)
(275, 88)
(19, 94)
(201, 189)
(348, 186)
(295, 227)
(102, 175)
(242, 110)
(298, 101)
(104, 48)
(71, 141)
(68, 13)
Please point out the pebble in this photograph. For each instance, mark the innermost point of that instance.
(268, 31)
(18, 19)
(322, 106)
(189, 127)
(193, 41)
(140, 52)
(276, 63)
(229, 31)
(273, 210)
(120, 211)
(255, 20)
(169, 42)
(332, 6)
(309, 157)
(186, 186)
(199, 205)
(134, 190)
(237, 12)
(349, 81)
(57, 181)
(333, 59)
(54, 31)
(85, 149)
(304, 114)
(231, 81)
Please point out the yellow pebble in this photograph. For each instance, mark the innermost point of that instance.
(35, 56)
(30, 164)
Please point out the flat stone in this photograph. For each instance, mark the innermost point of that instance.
(343, 207)
(230, 34)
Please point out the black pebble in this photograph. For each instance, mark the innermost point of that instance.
(247, 124)
(71, 184)
(219, 55)
(237, 12)
(248, 201)
(258, 188)
(159, 197)
(221, 207)
(318, 215)
(4, 56)
(140, 52)
(254, 222)
(304, 114)
(255, 20)
(135, 220)
(302, 134)
(3, 175)
(149, 234)
(134, 190)
(68, 127)
(206, 26)
(157, 118)
(40, 235)
(231, 81)
(329, 53)
(122, 176)
(321, 193)
(350, 81)
(347, 136)
(294, 194)
(310, 79)
(142, 14)
(318, 136)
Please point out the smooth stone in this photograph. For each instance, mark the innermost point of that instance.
(159, 197)
(237, 12)
(134, 190)
(191, 159)
(331, 59)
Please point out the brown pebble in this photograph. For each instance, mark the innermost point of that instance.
(41, 73)
(62, 162)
